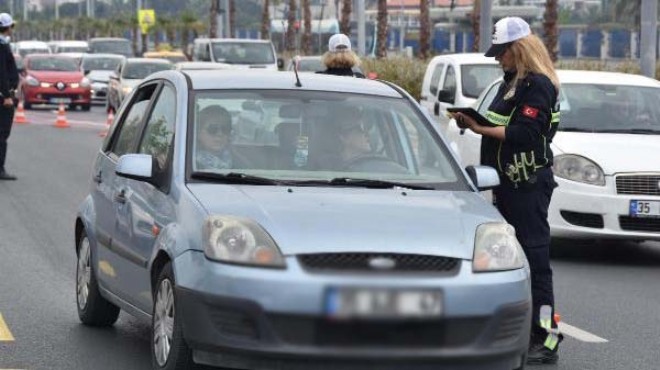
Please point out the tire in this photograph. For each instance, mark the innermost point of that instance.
(85, 107)
(178, 356)
(93, 309)
(27, 105)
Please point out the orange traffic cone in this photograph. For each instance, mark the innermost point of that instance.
(108, 123)
(61, 121)
(19, 117)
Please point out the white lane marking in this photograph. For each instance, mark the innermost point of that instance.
(580, 334)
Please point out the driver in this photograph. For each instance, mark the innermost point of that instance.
(354, 141)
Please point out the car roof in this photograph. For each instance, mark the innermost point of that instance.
(102, 55)
(465, 58)
(229, 79)
(203, 65)
(49, 56)
(70, 43)
(32, 44)
(108, 39)
(605, 78)
(147, 60)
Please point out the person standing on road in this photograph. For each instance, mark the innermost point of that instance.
(8, 84)
(340, 59)
(525, 115)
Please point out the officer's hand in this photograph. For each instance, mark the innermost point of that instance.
(464, 121)
(8, 102)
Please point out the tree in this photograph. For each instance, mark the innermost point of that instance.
(424, 29)
(381, 37)
(213, 21)
(265, 21)
(290, 29)
(188, 24)
(475, 17)
(232, 19)
(307, 31)
(345, 23)
(550, 28)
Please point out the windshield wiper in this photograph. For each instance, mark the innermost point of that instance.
(372, 183)
(236, 178)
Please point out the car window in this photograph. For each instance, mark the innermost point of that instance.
(476, 77)
(449, 85)
(138, 71)
(159, 132)
(130, 123)
(488, 98)
(96, 64)
(435, 78)
(243, 52)
(316, 135)
(53, 64)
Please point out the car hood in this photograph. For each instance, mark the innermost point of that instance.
(336, 220)
(614, 153)
(57, 76)
(99, 75)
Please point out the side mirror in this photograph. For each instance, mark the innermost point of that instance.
(436, 109)
(113, 76)
(86, 72)
(135, 166)
(446, 96)
(483, 177)
(280, 63)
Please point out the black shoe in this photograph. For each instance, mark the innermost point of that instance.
(539, 354)
(6, 176)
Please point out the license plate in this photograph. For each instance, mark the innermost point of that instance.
(347, 303)
(60, 100)
(645, 208)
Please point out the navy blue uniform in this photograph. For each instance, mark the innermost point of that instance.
(8, 82)
(530, 113)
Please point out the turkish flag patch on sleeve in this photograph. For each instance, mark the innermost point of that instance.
(529, 111)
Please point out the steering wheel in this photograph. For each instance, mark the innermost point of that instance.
(375, 163)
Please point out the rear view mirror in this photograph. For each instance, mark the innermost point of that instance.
(280, 63)
(446, 96)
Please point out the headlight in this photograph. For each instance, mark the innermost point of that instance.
(576, 168)
(126, 89)
(240, 240)
(84, 82)
(496, 248)
(31, 81)
(74, 85)
(44, 84)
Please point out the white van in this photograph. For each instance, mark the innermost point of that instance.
(240, 53)
(456, 80)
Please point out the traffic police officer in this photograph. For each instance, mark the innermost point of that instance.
(525, 115)
(8, 84)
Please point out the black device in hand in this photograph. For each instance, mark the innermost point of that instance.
(470, 112)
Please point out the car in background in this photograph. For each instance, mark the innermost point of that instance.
(187, 66)
(110, 45)
(73, 55)
(53, 79)
(456, 80)
(70, 46)
(24, 48)
(314, 63)
(606, 156)
(241, 53)
(98, 68)
(173, 56)
(286, 253)
(129, 73)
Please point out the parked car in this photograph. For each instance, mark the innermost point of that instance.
(98, 68)
(314, 63)
(456, 80)
(53, 79)
(241, 53)
(606, 156)
(24, 48)
(129, 73)
(173, 56)
(70, 46)
(110, 45)
(286, 254)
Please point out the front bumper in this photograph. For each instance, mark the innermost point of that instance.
(51, 95)
(99, 92)
(256, 318)
(582, 211)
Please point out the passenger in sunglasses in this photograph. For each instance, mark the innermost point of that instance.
(214, 150)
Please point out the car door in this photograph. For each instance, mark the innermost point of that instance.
(146, 206)
(114, 258)
(446, 97)
(430, 97)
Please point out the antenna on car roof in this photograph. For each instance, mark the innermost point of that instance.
(296, 61)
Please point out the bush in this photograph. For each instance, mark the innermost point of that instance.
(405, 72)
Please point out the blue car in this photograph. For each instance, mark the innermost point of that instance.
(260, 221)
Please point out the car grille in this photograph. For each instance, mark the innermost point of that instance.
(583, 219)
(638, 184)
(363, 262)
(639, 224)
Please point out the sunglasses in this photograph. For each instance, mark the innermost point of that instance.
(216, 128)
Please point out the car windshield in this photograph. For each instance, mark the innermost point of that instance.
(71, 49)
(27, 51)
(476, 77)
(310, 65)
(609, 108)
(317, 136)
(53, 64)
(100, 64)
(112, 47)
(243, 52)
(138, 71)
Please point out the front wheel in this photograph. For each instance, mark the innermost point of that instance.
(93, 309)
(169, 350)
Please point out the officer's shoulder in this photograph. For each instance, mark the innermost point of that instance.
(535, 80)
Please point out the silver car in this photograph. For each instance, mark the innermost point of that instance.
(277, 249)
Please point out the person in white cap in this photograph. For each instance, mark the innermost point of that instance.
(524, 116)
(8, 84)
(340, 59)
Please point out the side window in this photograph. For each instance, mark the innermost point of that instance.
(157, 138)
(488, 98)
(129, 128)
(435, 78)
(448, 93)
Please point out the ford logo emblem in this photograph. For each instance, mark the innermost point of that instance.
(382, 263)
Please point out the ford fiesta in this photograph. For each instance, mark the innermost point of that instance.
(261, 222)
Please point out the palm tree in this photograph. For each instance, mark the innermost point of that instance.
(476, 12)
(626, 11)
(345, 23)
(550, 28)
(213, 21)
(307, 32)
(425, 29)
(381, 37)
(187, 24)
(265, 21)
(290, 29)
(232, 19)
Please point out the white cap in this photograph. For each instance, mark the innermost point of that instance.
(5, 20)
(339, 42)
(507, 30)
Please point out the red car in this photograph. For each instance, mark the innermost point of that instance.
(53, 79)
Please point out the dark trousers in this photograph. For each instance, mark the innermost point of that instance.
(526, 208)
(6, 120)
